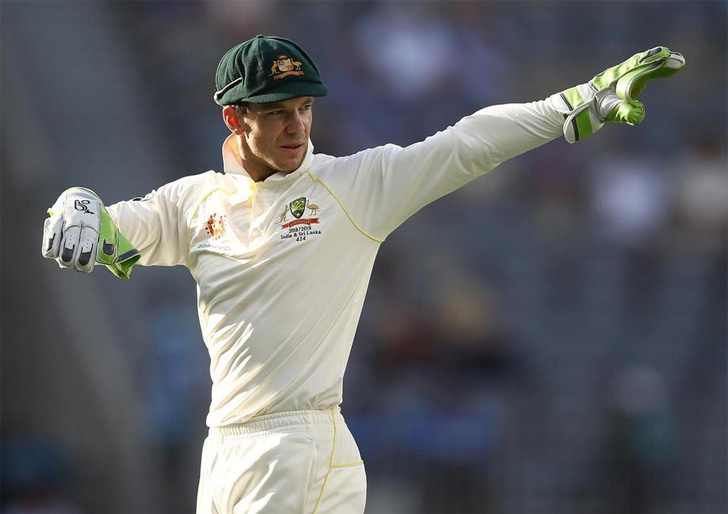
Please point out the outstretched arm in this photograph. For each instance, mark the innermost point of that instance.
(384, 186)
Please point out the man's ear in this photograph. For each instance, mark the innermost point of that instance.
(233, 120)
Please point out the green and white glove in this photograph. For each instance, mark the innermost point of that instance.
(612, 95)
(80, 233)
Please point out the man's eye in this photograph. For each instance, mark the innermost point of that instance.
(275, 113)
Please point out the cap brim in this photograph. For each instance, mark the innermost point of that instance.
(283, 92)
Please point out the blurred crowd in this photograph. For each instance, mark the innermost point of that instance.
(551, 338)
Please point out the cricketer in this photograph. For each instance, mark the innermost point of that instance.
(280, 219)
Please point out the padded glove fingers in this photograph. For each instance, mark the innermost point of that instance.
(611, 96)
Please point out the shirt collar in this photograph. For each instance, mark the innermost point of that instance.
(232, 164)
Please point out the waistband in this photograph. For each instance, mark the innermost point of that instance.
(280, 420)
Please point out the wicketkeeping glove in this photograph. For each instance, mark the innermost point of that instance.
(612, 95)
(80, 233)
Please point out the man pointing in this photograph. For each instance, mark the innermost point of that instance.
(282, 221)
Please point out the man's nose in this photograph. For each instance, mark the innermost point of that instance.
(296, 124)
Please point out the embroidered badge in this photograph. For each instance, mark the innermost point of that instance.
(298, 207)
(284, 66)
(215, 225)
(299, 228)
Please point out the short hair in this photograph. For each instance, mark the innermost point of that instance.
(242, 108)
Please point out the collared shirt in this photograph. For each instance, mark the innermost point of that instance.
(282, 265)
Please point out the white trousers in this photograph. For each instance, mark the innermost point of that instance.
(301, 462)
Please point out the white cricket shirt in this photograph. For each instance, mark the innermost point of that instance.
(282, 265)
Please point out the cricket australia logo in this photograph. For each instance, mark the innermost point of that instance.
(298, 207)
(299, 228)
(284, 66)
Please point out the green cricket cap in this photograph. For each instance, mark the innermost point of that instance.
(266, 69)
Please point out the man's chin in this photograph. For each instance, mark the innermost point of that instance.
(290, 165)
(288, 168)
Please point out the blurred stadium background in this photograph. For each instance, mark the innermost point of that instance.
(551, 338)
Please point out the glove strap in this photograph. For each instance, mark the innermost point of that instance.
(581, 117)
(578, 120)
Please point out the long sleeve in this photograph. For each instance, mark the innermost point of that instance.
(157, 225)
(380, 188)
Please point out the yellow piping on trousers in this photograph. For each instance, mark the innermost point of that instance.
(331, 464)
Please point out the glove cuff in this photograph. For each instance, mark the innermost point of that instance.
(581, 116)
(115, 251)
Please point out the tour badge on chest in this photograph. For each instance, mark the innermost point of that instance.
(300, 220)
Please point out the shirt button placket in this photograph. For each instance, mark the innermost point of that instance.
(257, 209)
